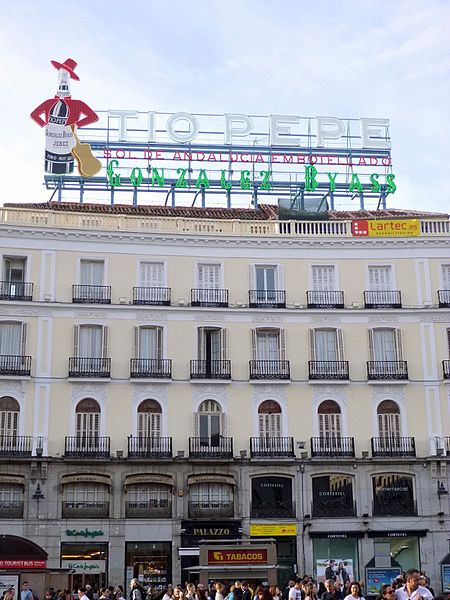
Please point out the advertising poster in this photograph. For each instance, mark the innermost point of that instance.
(339, 569)
(332, 496)
(446, 579)
(6, 581)
(377, 577)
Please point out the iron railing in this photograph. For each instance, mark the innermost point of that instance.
(267, 298)
(215, 446)
(87, 446)
(393, 446)
(89, 367)
(328, 369)
(444, 298)
(391, 505)
(91, 294)
(446, 368)
(271, 447)
(85, 510)
(325, 299)
(149, 447)
(16, 290)
(11, 509)
(387, 369)
(333, 506)
(16, 445)
(212, 297)
(11, 364)
(382, 299)
(148, 509)
(333, 447)
(158, 296)
(272, 510)
(210, 510)
(155, 368)
(210, 369)
(270, 369)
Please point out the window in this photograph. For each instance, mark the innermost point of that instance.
(388, 414)
(380, 278)
(329, 420)
(326, 344)
(10, 495)
(90, 341)
(91, 272)
(86, 496)
(149, 419)
(148, 342)
(265, 277)
(385, 345)
(87, 418)
(211, 495)
(12, 339)
(269, 418)
(209, 422)
(14, 269)
(148, 496)
(445, 277)
(323, 278)
(9, 417)
(268, 344)
(209, 277)
(212, 344)
(151, 274)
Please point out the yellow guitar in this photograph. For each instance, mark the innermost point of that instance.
(88, 164)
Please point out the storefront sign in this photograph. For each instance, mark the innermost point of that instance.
(87, 533)
(211, 529)
(86, 477)
(272, 495)
(148, 478)
(386, 228)
(240, 556)
(16, 563)
(446, 579)
(332, 496)
(84, 566)
(393, 495)
(337, 535)
(273, 530)
(375, 578)
(398, 534)
(211, 478)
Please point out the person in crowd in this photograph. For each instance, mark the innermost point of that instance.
(346, 589)
(190, 591)
(230, 595)
(425, 582)
(355, 591)
(237, 590)
(82, 593)
(26, 593)
(295, 593)
(387, 592)
(178, 593)
(136, 591)
(246, 593)
(275, 592)
(104, 593)
(168, 592)
(220, 588)
(322, 589)
(331, 593)
(262, 593)
(287, 589)
(10, 593)
(310, 590)
(412, 588)
(342, 573)
(118, 592)
(330, 571)
(89, 591)
(201, 592)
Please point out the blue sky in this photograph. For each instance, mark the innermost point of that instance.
(346, 58)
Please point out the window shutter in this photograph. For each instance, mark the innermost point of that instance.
(105, 341)
(23, 344)
(371, 353)
(223, 344)
(253, 277)
(159, 342)
(312, 343)
(446, 277)
(223, 424)
(340, 344)
(76, 340)
(282, 344)
(196, 425)
(136, 342)
(254, 350)
(448, 340)
(276, 425)
(201, 350)
(398, 344)
(279, 270)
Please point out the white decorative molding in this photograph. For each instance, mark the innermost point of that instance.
(270, 392)
(209, 317)
(383, 319)
(330, 392)
(150, 316)
(323, 319)
(216, 392)
(150, 391)
(441, 317)
(91, 314)
(17, 390)
(267, 319)
(94, 390)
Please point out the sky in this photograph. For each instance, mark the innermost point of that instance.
(343, 58)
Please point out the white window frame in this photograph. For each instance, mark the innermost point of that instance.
(217, 263)
(339, 339)
(441, 276)
(26, 257)
(324, 264)
(278, 279)
(150, 260)
(104, 260)
(211, 489)
(136, 338)
(381, 264)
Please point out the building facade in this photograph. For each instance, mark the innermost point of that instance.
(170, 375)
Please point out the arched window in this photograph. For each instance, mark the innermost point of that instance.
(388, 414)
(269, 417)
(88, 499)
(87, 418)
(148, 500)
(9, 416)
(149, 419)
(209, 425)
(329, 419)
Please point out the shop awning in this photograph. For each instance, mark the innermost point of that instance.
(236, 567)
(211, 478)
(86, 478)
(15, 479)
(188, 552)
(157, 478)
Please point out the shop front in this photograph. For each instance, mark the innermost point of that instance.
(336, 555)
(285, 538)
(150, 562)
(86, 562)
(23, 560)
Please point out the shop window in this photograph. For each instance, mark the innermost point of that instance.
(149, 501)
(336, 558)
(333, 496)
(92, 559)
(149, 419)
(272, 498)
(11, 501)
(269, 419)
(402, 552)
(85, 500)
(393, 495)
(150, 562)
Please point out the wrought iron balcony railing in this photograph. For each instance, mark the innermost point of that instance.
(85, 510)
(153, 368)
(149, 447)
(267, 298)
(87, 447)
(148, 509)
(213, 297)
(215, 446)
(158, 296)
(444, 298)
(89, 367)
(270, 369)
(393, 446)
(271, 447)
(391, 505)
(91, 294)
(16, 290)
(387, 369)
(446, 368)
(333, 506)
(210, 369)
(328, 369)
(210, 509)
(272, 510)
(11, 364)
(325, 299)
(333, 447)
(382, 299)
(16, 445)
(11, 509)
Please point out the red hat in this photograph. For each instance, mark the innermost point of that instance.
(69, 65)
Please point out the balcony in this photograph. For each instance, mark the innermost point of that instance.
(332, 506)
(91, 294)
(215, 446)
(203, 297)
(11, 364)
(210, 510)
(267, 298)
(398, 447)
(382, 299)
(324, 299)
(11, 509)
(210, 369)
(16, 290)
(446, 368)
(86, 447)
(85, 510)
(149, 447)
(16, 445)
(150, 509)
(444, 298)
(381, 370)
(270, 369)
(272, 510)
(89, 367)
(156, 296)
(272, 447)
(151, 368)
(328, 370)
(390, 505)
(332, 447)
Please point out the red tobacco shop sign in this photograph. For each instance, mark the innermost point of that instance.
(237, 557)
(14, 563)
